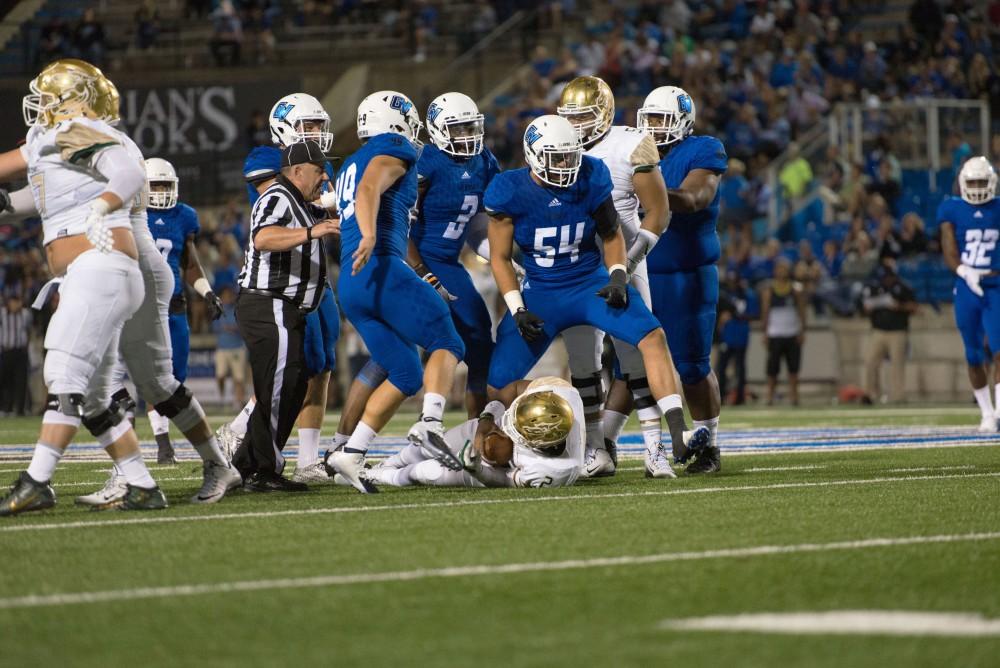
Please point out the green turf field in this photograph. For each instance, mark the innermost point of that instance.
(584, 576)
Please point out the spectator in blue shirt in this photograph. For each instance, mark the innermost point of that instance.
(783, 70)
(230, 355)
(738, 305)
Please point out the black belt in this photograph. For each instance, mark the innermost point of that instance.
(274, 295)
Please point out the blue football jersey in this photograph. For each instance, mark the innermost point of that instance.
(392, 226)
(553, 226)
(171, 229)
(454, 194)
(264, 162)
(691, 240)
(977, 230)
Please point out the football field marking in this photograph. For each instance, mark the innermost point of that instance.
(845, 622)
(917, 469)
(483, 502)
(74, 598)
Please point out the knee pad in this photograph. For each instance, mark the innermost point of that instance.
(693, 372)
(101, 423)
(372, 374)
(591, 389)
(190, 416)
(159, 389)
(63, 409)
(175, 403)
(122, 402)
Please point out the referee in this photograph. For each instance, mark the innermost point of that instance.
(283, 277)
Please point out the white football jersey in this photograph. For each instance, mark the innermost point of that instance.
(533, 469)
(137, 207)
(622, 149)
(62, 177)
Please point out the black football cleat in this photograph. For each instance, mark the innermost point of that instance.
(272, 482)
(708, 460)
(140, 498)
(165, 455)
(26, 495)
(612, 449)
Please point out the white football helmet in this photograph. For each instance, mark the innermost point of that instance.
(455, 125)
(553, 150)
(158, 172)
(290, 113)
(388, 111)
(672, 113)
(980, 172)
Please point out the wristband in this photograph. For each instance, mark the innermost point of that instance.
(514, 301)
(615, 267)
(202, 287)
(495, 410)
(100, 206)
(649, 240)
(309, 234)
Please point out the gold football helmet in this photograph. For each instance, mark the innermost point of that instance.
(108, 102)
(587, 103)
(542, 419)
(64, 89)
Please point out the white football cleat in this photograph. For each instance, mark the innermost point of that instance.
(218, 479)
(381, 474)
(312, 474)
(429, 435)
(351, 466)
(988, 425)
(228, 440)
(658, 463)
(598, 464)
(114, 490)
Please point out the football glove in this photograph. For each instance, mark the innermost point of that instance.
(644, 242)
(98, 233)
(427, 276)
(972, 277)
(214, 305)
(528, 324)
(615, 293)
(5, 204)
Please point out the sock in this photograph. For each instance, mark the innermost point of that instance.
(361, 438)
(239, 423)
(410, 454)
(996, 388)
(209, 451)
(433, 406)
(713, 426)
(308, 447)
(135, 471)
(595, 434)
(983, 399)
(160, 424)
(43, 462)
(650, 433)
(614, 422)
(673, 411)
(339, 440)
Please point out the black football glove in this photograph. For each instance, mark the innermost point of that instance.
(528, 324)
(428, 277)
(214, 305)
(615, 293)
(5, 201)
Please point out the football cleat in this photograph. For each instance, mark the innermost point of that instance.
(312, 474)
(598, 464)
(694, 441)
(140, 498)
(272, 482)
(658, 463)
(228, 440)
(26, 495)
(709, 460)
(165, 455)
(988, 425)
(351, 466)
(380, 473)
(218, 479)
(428, 434)
(612, 449)
(113, 491)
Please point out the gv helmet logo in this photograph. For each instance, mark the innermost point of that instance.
(532, 135)
(684, 103)
(433, 112)
(400, 103)
(282, 110)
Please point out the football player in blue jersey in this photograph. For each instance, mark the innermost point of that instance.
(970, 229)
(452, 175)
(392, 308)
(555, 209)
(683, 278)
(174, 226)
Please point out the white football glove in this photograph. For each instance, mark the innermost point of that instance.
(328, 200)
(644, 242)
(98, 233)
(972, 277)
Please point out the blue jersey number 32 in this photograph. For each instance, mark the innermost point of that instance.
(979, 245)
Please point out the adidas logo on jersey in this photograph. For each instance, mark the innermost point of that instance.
(465, 175)
(555, 202)
(977, 214)
(159, 221)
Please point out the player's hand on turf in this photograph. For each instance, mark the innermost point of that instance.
(972, 277)
(5, 204)
(615, 293)
(214, 305)
(362, 254)
(97, 231)
(528, 324)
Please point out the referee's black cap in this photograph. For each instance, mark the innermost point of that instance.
(301, 153)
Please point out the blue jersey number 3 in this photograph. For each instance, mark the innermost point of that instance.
(469, 207)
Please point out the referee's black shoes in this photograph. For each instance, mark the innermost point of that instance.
(272, 482)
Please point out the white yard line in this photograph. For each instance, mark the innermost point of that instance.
(482, 502)
(784, 468)
(73, 598)
(91, 483)
(918, 469)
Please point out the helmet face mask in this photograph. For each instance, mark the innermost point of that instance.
(667, 115)
(977, 181)
(553, 151)
(300, 117)
(67, 88)
(587, 102)
(163, 184)
(455, 125)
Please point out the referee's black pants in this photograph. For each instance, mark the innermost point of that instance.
(274, 332)
(14, 364)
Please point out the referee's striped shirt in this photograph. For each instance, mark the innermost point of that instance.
(297, 275)
(15, 329)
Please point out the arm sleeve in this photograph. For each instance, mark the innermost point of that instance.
(126, 176)
(606, 217)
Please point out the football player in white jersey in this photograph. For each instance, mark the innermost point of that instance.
(71, 157)
(631, 157)
(538, 442)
